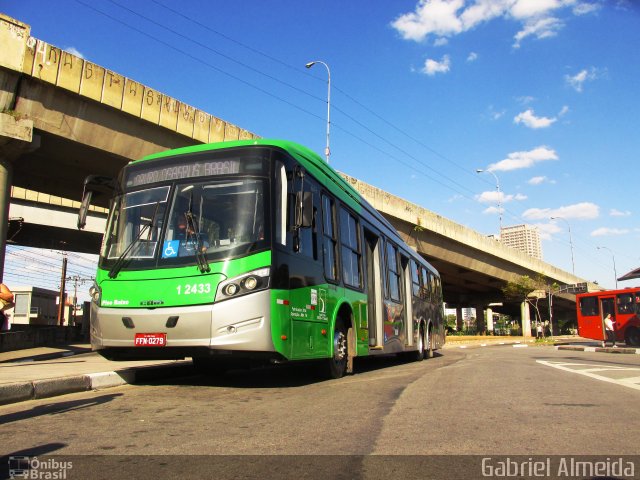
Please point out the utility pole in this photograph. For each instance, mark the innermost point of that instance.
(62, 291)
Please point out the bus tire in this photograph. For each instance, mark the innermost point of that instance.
(429, 344)
(632, 337)
(418, 355)
(336, 366)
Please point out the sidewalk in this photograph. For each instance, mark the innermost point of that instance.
(45, 372)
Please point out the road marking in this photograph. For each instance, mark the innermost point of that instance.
(630, 382)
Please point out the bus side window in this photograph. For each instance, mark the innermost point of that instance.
(625, 303)
(351, 252)
(329, 238)
(415, 279)
(393, 272)
(426, 284)
(589, 306)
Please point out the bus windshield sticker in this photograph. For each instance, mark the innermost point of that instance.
(170, 248)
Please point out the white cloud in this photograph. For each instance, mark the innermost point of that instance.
(579, 211)
(517, 160)
(536, 180)
(525, 100)
(609, 232)
(74, 51)
(563, 111)
(546, 230)
(473, 56)
(438, 17)
(585, 8)
(529, 119)
(493, 196)
(441, 42)
(617, 213)
(577, 81)
(490, 197)
(539, 28)
(446, 18)
(431, 67)
(492, 210)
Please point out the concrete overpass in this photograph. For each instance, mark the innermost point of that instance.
(64, 118)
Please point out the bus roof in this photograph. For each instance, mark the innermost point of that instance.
(315, 164)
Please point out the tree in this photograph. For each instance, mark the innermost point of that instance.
(529, 290)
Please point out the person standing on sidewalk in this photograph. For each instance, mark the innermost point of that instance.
(6, 300)
(609, 328)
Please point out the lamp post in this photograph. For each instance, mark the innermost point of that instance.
(573, 264)
(479, 170)
(327, 152)
(615, 274)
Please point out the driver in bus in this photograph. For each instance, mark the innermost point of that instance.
(189, 240)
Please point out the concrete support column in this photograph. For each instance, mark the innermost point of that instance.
(526, 319)
(481, 326)
(489, 319)
(15, 137)
(6, 175)
(459, 319)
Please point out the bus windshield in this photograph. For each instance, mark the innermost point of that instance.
(193, 222)
(218, 218)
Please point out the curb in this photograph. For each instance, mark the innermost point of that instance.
(622, 350)
(36, 389)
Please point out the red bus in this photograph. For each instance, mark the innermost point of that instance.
(624, 307)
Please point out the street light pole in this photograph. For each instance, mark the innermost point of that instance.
(573, 264)
(327, 151)
(615, 274)
(479, 170)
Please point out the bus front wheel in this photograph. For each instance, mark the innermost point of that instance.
(337, 364)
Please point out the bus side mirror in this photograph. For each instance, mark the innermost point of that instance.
(93, 184)
(84, 209)
(304, 210)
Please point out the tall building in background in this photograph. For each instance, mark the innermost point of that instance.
(524, 238)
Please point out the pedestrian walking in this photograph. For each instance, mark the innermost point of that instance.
(609, 328)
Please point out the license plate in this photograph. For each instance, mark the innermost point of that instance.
(150, 340)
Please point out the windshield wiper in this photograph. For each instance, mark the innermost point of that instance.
(194, 231)
(113, 273)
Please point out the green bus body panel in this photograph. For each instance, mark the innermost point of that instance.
(173, 286)
(303, 320)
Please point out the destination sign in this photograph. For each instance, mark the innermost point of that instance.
(166, 173)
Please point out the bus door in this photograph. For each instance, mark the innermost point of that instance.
(406, 298)
(374, 288)
(607, 306)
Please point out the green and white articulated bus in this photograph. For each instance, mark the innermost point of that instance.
(254, 250)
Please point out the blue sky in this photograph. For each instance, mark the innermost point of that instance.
(543, 93)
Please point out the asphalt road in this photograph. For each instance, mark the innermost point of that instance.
(497, 401)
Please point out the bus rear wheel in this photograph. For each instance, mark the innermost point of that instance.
(336, 366)
(418, 355)
(632, 337)
(429, 343)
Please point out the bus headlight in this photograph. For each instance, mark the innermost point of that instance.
(95, 293)
(243, 284)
